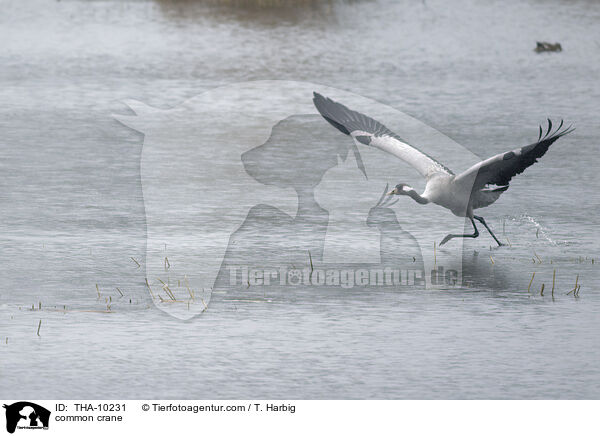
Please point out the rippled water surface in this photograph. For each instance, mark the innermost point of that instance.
(73, 214)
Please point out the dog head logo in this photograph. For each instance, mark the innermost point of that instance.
(26, 415)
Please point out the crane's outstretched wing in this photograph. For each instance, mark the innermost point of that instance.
(367, 131)
(499, 169)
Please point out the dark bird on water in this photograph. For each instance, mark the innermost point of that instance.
(542, 46)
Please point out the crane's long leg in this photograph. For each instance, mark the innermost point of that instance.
(482, 221)
(474, 235)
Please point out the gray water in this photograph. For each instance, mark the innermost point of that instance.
(73, 214)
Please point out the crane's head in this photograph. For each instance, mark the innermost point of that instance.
(401, 189)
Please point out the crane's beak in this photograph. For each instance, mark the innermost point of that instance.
(393, 191)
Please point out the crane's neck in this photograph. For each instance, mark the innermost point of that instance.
(415, 195)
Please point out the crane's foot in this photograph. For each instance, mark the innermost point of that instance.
(482, 221)
(474, 235)
(446, 239)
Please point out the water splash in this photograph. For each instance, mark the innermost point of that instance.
(541, 231)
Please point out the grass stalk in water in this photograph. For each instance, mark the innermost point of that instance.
(187, 285)
(168, 290)
(575, 287)
(530, 282)
(149, 288)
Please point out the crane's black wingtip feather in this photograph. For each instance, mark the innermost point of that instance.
(557, 133)
(567, 130)
(317, 99)
(328, 108)
(549, 129)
